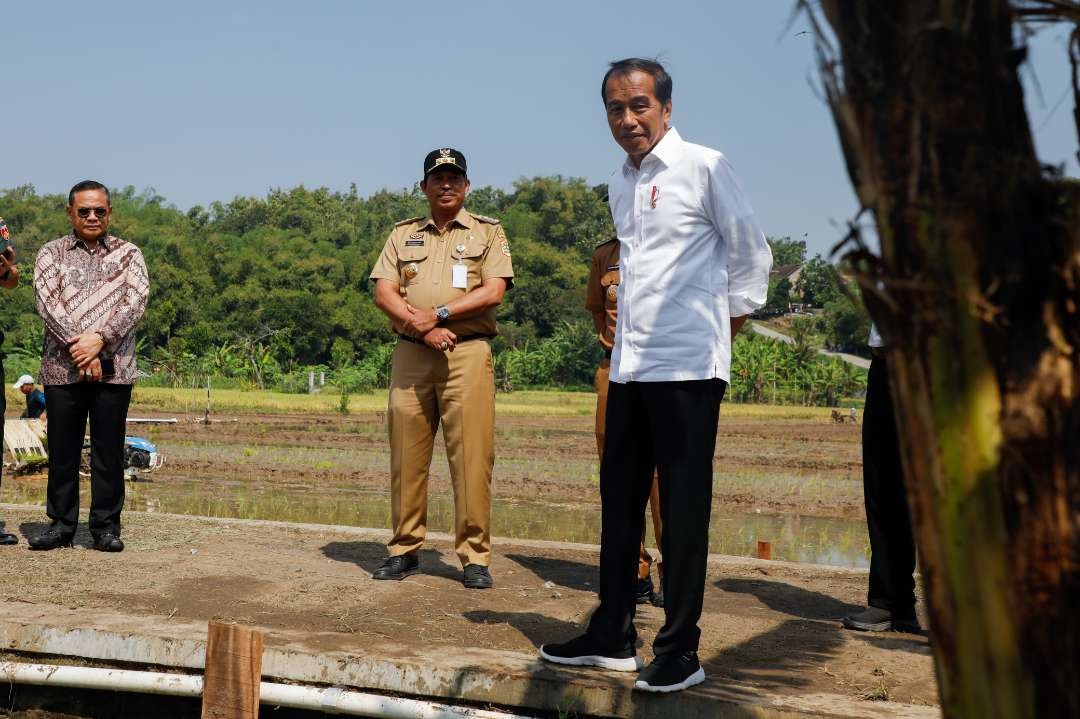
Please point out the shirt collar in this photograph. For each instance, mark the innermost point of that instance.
(669, 151)
(463, 218)
(75, 241)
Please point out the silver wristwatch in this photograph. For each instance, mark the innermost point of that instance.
(442, 313)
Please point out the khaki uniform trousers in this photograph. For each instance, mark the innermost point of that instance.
(644, 558)
(456, 389)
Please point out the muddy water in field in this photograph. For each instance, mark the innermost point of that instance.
(794, 537)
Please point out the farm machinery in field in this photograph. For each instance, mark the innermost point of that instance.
(26, 448)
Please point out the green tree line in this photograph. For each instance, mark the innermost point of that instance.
(259, 290)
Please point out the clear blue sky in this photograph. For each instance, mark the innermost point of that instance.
(205, 100)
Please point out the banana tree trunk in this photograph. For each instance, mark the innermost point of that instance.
(977, 291)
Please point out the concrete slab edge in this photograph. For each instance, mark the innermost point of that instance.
(472, 675)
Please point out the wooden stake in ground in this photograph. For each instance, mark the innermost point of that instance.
(233, 672)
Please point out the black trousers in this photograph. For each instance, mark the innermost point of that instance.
(68, 407)
(672, 426)
(892, 545)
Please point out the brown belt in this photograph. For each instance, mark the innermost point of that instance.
(462, 338)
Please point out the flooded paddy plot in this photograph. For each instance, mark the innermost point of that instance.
(781, 475)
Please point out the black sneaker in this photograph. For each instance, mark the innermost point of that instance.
(398, 567)
(875, 619)
(644, 591)
(585, 652)
(7, 538)
(671, 673)
(476, 576)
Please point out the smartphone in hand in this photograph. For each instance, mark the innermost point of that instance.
(108, 367)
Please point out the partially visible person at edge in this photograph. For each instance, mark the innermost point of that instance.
(694, 264)
(91, 289)
(439, 279)
(35, 398)
(9, 279)
(891, 596)
(601, 299)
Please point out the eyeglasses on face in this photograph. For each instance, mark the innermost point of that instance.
(84, 212)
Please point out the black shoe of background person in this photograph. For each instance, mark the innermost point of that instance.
(399, 567)
(874, 619)
(644, 592)
(6, 538)
(583, 651)
(658, 599)
(108, 542)
(476, 576)
(51, 538)
(671, 673)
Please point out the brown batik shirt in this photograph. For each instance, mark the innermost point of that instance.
(79, 290)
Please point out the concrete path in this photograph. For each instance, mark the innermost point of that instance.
(764, 331)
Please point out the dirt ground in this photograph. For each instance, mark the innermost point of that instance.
(773, 626)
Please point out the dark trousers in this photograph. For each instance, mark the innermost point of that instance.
(892, 546)
(672, 426)
(68, 407)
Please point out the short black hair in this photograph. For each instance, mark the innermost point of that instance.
(87, 185)
(639, 64)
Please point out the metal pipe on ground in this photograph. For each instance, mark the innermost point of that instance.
(330, 700)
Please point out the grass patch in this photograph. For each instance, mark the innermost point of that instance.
(531, 403)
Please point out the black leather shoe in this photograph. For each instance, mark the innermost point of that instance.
(6, 538)
(644, 592)
(476, 577)
(50, 539)
(398, 567)
(108, 542)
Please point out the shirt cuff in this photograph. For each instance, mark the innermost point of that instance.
(739, 305)
(106, 336)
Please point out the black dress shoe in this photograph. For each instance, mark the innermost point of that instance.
(50, 539)
(644, 591)
(108, 542)
(476, 577)
(398, 567)
(6, 538)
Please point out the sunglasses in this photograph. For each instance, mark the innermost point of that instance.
(85, 212)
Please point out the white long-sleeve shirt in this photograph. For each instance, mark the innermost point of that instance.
(691, 257)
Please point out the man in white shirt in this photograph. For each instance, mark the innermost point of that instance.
(694, 264)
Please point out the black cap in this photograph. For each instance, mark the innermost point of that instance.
(446, 157)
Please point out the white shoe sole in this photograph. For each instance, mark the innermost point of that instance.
(696, 678)
(630, 664)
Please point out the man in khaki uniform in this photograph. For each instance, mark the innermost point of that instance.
(600, 299)
(439, 280)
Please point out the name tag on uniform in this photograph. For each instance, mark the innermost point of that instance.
(414, 243)
(461, 276)
(612, 267)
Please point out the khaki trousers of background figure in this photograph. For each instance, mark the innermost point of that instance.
(457, 389)
(645, 559)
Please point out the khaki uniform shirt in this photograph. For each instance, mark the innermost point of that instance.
(421, 261)
(601, 290)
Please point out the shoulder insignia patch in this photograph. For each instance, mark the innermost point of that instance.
(408, 221)
(485, 218)
(506, 247)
